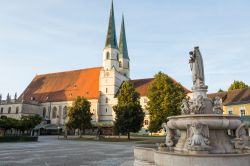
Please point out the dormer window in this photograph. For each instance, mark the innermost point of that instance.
(107, 55)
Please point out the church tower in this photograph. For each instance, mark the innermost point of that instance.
(111, 76)
(111, 51)
(123, 56)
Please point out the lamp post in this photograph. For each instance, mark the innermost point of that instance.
(58, 130)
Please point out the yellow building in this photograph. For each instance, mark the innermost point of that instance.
(236, 102)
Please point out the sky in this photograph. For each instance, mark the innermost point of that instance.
(45, 36)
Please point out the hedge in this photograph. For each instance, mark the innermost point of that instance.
(18, 139)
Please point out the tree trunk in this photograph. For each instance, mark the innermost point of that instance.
(80, 132)
(129, 136)
(66, 133)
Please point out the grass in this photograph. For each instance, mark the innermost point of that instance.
(108, 139)
(151, 142)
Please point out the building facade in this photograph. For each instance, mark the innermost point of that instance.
(50, 95)
(236, 102)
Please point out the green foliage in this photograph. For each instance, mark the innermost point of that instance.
(165, 98)
(129, 113)
(237, 85)
(24, 124)
(18, 139)
(79, 115)
(220, 90)
(29, 122)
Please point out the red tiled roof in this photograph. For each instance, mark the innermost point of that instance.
(63, 86)
(239, 96)
(141, 85)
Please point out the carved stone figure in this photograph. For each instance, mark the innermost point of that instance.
(197, 105)
(198, 135)
(197, 68)
(169, 135)
(185, 106)
(242, 140)
(217, 105)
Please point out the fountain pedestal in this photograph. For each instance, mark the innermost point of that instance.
(200, 136)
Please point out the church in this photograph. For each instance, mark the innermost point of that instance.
(50, 95)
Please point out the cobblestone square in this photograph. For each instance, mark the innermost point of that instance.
(52, 152)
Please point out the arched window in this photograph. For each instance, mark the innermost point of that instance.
(107, 100)
(106, 90)
(44, 112)
(9, 110)
(65, 112)
(107, 55)
(54, 112)
(1, 110)
(17, 110)
(106, 110)
(117, 56)
(120, 64)
(146, 122)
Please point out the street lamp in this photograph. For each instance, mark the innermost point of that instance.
(58, 130)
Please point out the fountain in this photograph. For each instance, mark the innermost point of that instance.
(202, 135)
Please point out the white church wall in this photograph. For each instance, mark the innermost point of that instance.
(13, 110)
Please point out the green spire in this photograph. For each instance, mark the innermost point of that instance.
(123, 42)
(111, 35)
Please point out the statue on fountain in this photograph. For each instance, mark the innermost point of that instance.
(197, 68)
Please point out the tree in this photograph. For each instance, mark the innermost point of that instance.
(129, 113)
(79, 115)
(165, 98)
(29, 122)
(237, 85)
(26, 123)
(220, 90)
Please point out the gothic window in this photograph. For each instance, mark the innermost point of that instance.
(107, 55)
(65, 112)
(54, 112)
(9, 110)
(242, 112)
(1, 110)
(107, 100)
(17, 110)
(120, 64)
(59, 115)
(44, 112)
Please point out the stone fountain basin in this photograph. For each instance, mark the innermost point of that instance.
(149, 156)
(214, 121)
